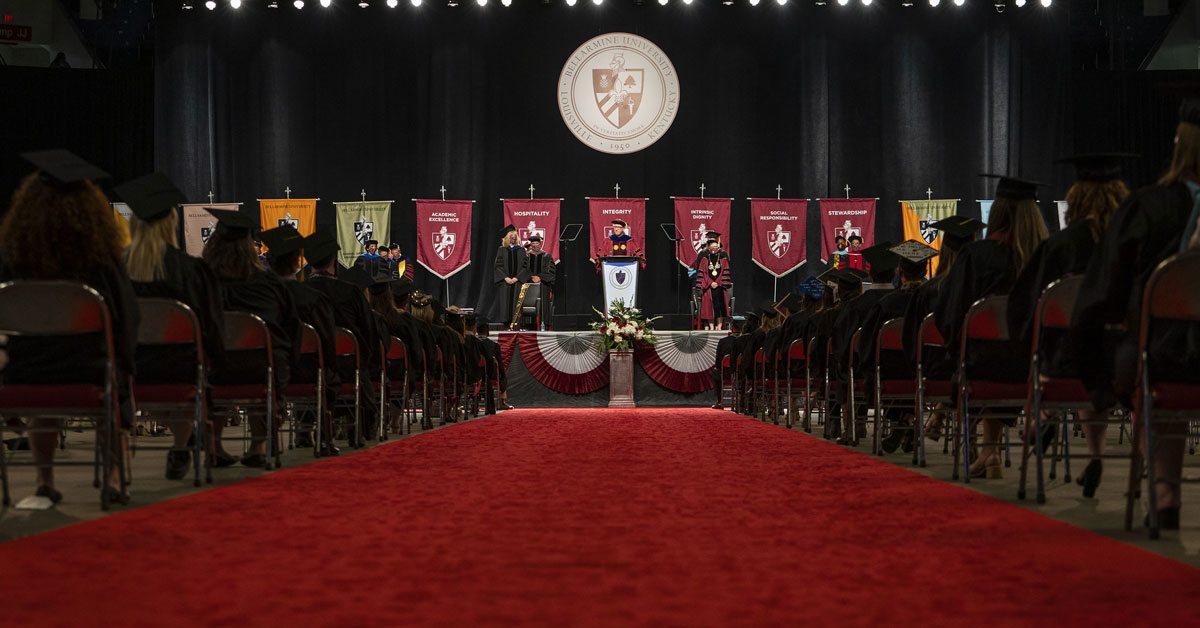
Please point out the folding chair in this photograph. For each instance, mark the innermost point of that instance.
(986, 321)
(735, 378)
(856, 390)
(758, 387)
(819, 384)
(248, 332)
(397, 370)
(726, 383)
(826, 398)
(308, 395)
(931, 392)
(1060, 391)
(493, 384)
(346, 348)
(891, 393)
(795, 354)
(164, 323)
(1171, 297)
(61, 308)
(380, 388)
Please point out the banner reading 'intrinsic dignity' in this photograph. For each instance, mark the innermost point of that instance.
(444, 236)
(695, 217)
(778, 229)
(199, 224)
(537, 216)
(603, 211)
(847, 226)
(358, 222)
(918, 218)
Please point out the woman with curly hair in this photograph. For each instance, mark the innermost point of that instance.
(47, 209)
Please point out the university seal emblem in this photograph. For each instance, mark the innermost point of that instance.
(618, 93)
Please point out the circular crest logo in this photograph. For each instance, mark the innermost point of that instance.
(619, 277)
(618, 93)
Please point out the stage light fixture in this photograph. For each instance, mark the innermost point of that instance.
(1019, 3)
(687, 1)
(211, 5)
(753, 3)
(843, 3)
(507, 3)
(727, 3)
(906, 3)
(452, 3)
(570, 3)
(326, 3)
(866, 3)
(663, 2)
(934, 3)
(415, 3)
(959, 3)
(235, 4)
(1000, 5)
(393, 3)
(1046, 3)
(187, 6)
(482, 3)
(595, 2)
(362, 4)
(299, 4)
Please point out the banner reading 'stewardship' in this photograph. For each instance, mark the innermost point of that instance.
(199, 224)
(919, 217)
(359, 222)
(847, 227)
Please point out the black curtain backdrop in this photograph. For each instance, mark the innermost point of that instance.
(399, 102)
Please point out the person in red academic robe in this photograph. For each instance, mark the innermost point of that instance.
(620, 243)
(714, 278)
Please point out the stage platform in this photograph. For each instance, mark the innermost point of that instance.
(564, 369)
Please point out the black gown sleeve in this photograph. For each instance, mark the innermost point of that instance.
(523, 274)
(204, 293)
(500, 271)
(549, 269)
(123, 308)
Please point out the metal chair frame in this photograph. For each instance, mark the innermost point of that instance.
(985, 320)
(889, 338)
(929, 336)
(245, 331)
(298, 392)
(397, 355)
(346, 344)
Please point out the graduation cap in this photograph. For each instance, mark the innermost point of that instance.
(233, 225)
(370, 242)
(766, 307)
(812, 288)
(914, 251)
(713, 236)
(1014, 189)
(283, 240)
(505, 230)
(1098, 167)
(62, 167)
(393, 246)
(829, 277)
(357, 277)
(881, 258)
(151, 196)
(792, 302)
(402, 287)
(621, 223)
(854, 236)
(320, 246)
(535, 238)
(1189, 111)
(962, 227)
(850, 278)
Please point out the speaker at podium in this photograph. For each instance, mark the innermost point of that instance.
(619, 274)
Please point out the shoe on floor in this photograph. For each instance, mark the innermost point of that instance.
(178, 463)
(49, 492)
(224, 460)
(1168, 519)
(255, 460)
(1090, 478)
(115, 496)
(891, 443)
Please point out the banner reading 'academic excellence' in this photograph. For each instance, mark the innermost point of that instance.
(199, 224)
(778, 229)
(536, 216)
(605, 210)
(842, 219)
(919, 215)
(358, 222)
(444, 236)
(694, 217)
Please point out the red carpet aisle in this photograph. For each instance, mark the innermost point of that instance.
(591, 517)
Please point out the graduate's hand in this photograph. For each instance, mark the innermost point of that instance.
(510, 280)
(537, 279)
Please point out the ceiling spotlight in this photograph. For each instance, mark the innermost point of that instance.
(687, 1)
(843, 2)
(866, 3)
(326, 3)
(570, 3)
(1019, 3)
(507, 3)
(211, 5)
(362, 4)
(1046, 3)
(482, 3)
(187, 6)
(415, 3)
(781, 2)
(934, 3)
(663, 2)
(235, 4)
(1000, 5)
(753, 3)
(959, 3)
(392, 3)
(273, 4)
(452, 3)
(906, 3)
(299, 4)
(597, 2)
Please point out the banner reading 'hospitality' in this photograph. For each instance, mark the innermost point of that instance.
(536, 216)
(603, 211)
(444, 236)
(359, 222)
(918, 218)
(777, 234)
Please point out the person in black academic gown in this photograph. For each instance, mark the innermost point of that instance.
(1151, 225)
(542, 270)
(749, 326)
(371, 262)
(491, 349)
(284, 245)
(56, 204)
(510, 271)
(913, 256)
(725, 349)
(247, 287)
(1091, 201)
(158, 268)
(768, 319)
(986, 268)
(848, 319)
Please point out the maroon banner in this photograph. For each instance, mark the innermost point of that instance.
(535, 216)
(847, 226)
(444, 236)
(605, 210)
(694, 217)
(778, 234)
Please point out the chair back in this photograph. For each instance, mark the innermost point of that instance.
(758, 356)
(244, 331)
(310, 342)
(167, 322)
(987, 320)
(396, 350)
(1173, 291)
(891, 337)
(52, 308)
(929, 334)
(1057, 303)
(725, 361)
(854, 343)
(346, 344)
(796, 350)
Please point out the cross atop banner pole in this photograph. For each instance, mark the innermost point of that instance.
(929, 194)
(443, 191)
(210, 197)
(363, 194)
(531, 189)
(702, 190)
(847, 190)
(779, 192)
(617, 191)
(288, 190)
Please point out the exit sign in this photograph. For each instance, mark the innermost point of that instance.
(12, 32)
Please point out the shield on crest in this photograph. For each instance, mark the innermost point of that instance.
(779, 241)
(928, 233)
(531, 231)
(363, 230)
(288, 220)
(206, 233)
(618, 93)
(443, 243)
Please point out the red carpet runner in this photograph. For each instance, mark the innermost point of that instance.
(590, 517)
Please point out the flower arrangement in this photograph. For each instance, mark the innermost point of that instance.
(622, 327)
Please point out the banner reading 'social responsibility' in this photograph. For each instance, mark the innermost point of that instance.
(778, 231)
(605, 210)
(444, 236)
(538, 216)
(847, 226)
(359, 222)
(199, 224)
(693, 218)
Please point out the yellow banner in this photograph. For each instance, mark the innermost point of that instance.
(301, 213)
(918, 215)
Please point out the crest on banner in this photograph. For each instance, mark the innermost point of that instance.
(928, 233)
(206, 232)
(699, 237)
(531, 231)
(443, 243)
(288, 220)
(779, 241)
(363, 230)
(847, 230)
